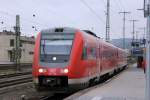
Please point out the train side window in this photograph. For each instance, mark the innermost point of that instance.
(84, 53)
(117, 54)
(93, 52)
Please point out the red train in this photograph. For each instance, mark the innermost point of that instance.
(68, 58)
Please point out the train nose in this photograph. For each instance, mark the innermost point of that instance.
(58, 71)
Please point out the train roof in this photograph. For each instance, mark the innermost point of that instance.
(110, 44)
(67, 30)
(73, 30)
(90, 32)
(60, 30)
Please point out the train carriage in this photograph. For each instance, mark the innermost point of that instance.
(68, 58)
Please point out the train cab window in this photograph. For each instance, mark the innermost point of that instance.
(56, 48)
(84, 53)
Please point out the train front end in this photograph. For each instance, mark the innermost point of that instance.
(52, 59)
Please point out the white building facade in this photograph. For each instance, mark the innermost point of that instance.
(7, 44)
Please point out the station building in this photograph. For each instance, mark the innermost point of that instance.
(7, 46)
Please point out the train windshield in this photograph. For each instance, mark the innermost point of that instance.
(56, 48)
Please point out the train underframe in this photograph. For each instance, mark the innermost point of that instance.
(60, 84)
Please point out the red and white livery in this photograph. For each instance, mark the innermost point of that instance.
(68, 58)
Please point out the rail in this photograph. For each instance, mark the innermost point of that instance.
(15, 79)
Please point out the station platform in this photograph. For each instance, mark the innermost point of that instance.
(128, 85)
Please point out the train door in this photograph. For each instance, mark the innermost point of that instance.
(99, 66)
(98, 59)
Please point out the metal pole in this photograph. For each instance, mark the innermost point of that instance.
(17, 48)
(107, 21)
(133, 32)
(124, 19)
(148, 59)
(147, 14)
(144, 30)
(133, 21)
(136, 36)
(124, 31)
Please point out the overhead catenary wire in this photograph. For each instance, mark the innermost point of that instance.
(87, 4)
(118, 5)
(124, 26)
(66, 18)
(24, 19)
(121, 4)
(56, 13)
(92, 11)
(113, 12)
(103, 1)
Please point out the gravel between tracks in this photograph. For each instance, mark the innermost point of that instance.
(25, 90)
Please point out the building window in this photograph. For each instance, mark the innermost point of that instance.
(11, 55)
(20, 44)
(31, 52)
(12, 42)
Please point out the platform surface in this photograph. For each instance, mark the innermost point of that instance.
(129, 85)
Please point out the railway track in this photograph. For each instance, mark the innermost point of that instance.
(14, 74)
(15, 79)
(13, 66)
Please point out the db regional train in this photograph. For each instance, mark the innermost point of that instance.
(68, 58)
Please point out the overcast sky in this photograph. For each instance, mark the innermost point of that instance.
(71, 13)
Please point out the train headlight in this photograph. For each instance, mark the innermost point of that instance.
(54, 58)
(66, 70)
(41, 70)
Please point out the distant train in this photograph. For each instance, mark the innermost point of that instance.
(67, 59)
